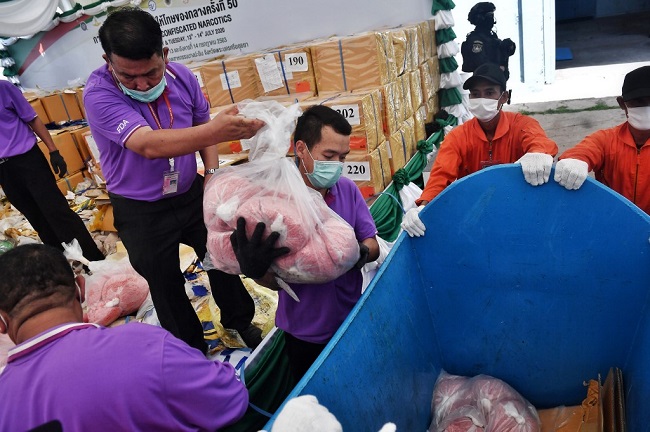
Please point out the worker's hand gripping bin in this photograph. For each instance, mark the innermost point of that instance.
(541, 287)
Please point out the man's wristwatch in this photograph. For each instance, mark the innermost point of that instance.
(210, 170)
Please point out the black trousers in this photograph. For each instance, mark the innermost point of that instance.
(31, 187)
(151, 233)
(301, 354)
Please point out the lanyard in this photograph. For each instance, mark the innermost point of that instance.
(171, 121)
(169, 108)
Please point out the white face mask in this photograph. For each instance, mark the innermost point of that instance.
(639, 117)
(484, 109)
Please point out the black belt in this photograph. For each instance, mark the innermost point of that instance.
(3, 160)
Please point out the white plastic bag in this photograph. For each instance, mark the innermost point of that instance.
(270, 189)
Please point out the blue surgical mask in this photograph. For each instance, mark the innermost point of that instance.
(325, 173)
(146, 96)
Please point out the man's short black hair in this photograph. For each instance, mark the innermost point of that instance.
(311, 123)
(131, 33)
(33, 272)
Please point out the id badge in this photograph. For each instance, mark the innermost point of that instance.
(170, 182)
(485, 164)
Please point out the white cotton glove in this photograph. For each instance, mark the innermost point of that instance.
(536, 167)
(571, 173)
(412, 224)
(305, 414)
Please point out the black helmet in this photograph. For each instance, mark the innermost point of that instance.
(482, 14)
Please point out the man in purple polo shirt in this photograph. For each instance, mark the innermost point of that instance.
(134, 377)
(149, 117)
(322, 142)
(27, 180)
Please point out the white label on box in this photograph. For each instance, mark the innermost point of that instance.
(198, 78)
(296, 62)
(232, 82)
(288, 74)
(357, 171)
(350, 112)
(92, 146)
(269, 73)
(245, 144)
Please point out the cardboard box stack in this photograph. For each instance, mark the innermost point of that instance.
(230, 79)
(356, 62)
(285, 71)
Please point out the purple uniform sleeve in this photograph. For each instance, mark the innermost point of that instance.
(200, 392)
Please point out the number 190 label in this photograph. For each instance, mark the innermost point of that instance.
(357, 171)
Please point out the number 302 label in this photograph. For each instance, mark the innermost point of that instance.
(350, 112)
(357, 171)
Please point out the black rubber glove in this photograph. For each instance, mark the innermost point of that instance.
(58, 164)
(363, 259)
(256, 255)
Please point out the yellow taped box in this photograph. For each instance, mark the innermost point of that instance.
(393, 107)
(417, 97)
(430, 39)
(62, 106)
(67, 148)
(36, 103)
(230, 80)
(362, 110)
(408, 127)
(430, 75)
(362, 61)
(398, 37)
(285, 71)
(398, 147)
(412, 47)
(70, 182)
(419, 122)
(432, 108)
(404, 82)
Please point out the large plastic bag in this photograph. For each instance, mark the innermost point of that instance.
(113, 288)
(481, 403)
(270, 189)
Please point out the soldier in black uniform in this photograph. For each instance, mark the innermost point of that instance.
(483, 45)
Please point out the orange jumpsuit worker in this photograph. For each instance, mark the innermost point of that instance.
(492, 137)
(620, 156)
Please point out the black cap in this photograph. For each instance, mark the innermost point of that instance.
(481, 8)
(487, 71)
(637, 84)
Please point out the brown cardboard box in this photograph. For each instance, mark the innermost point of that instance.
(430, 75)
(405, 86)
(362, 61)
(424, 38)
(398, 148)
(70, 182)
(419, 121)
(432, 108)
(67, 148)
(80, 141)
(62, 106)
(413, 42)
(91, 147)
(393, 107)
(285, 71)
(79, 93)
(368, 170)
(362, 110)
(230, 80)
(55, 108)
(430, 39)
(40, 109)
(104, 218)
(398, 37)
(408, 127)
(417, 97)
